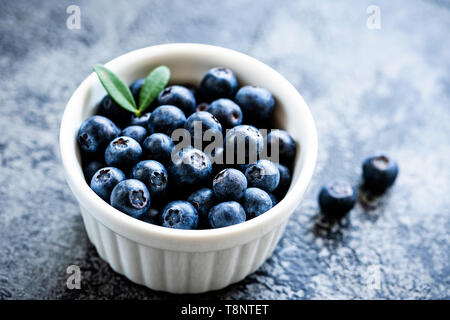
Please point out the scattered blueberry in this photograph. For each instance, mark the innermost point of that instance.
(111, 110)
(192, 169)
(95, 133)
(138, 133)
(226, 214)
(91, 168)
(227, 112)
(256, 202)
(123, 152)
(198, 123)
(178, 96)
(286, 145)
(104, 181)
(131, 197)
(243, 137)
(257, 104)
(202, 200)
(179, 215)
(135, 89)
(165, 119)
(154, 176)
(263, 174)
(218, 82)
(337, 198)
(379, 173)
(158, 146)
(229, 184)
(140, 121)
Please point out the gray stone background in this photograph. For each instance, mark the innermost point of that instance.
(369, 90)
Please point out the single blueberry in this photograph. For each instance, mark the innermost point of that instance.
(227, 112)
(111, 110)
(229, 184)
(104, 181)
(281, 140)
(151, 216)
(154, 176)
(243, 145)
(140, 121)
(179, 215)
(95, 133)
(256, 202)
(217, 83)
(135, 89)
(379, 173)
(131, 197)
(178, 96)
(91, 168)
(202, 200)
(263, 174)
(337, 198)
(123, 152)
(285, 181)
(257, 104)
(166, 119)
(138, 133)
(158, 146)
(200, 122)
(226, 214)
(191, 169)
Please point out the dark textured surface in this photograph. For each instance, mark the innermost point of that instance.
(369, 90)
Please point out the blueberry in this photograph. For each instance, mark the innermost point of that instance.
(111, 110)
(203, 106)
(246, 138)
(379, 173)
(158, 146)
(95, 133)
(217, 83)
(104, 181)
(257, 104)
(135, 89)
(154, 176)
(226, 214)
(256, 202)
(151, 216)
(285, 180)
(286, 145)
(199, 122)
(263, 174)
(227, 112)
(337, 198)
(229, 184)
(123, 152)
(140, 121)
(166, 119)
(192, 169)
(131, 197)
(91, 168)
(138, 133)
(178, 96)
(274, 199)
(179, 215)
(202, 200)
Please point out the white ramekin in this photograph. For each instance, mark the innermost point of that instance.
(187, 261)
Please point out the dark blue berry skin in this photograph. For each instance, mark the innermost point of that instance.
(131, 197)
(285, 180)
(178, 96)
(217, 83)
(263, 174)
(379, 173)
(111, 110)
(180, 215)
(95, 133)
(203, 106)
(227, 112)
(138, 133)
(104, 181)
(154, 176)
(91, 168)
(256, 202)
(257, 104)
(202, 120)
(229, 184)
(135, 89)
(226, 214)
(140, 121)
(165, 119)
(286, 145)
(152, 216)
(159, 147)
(123, 152)
(274, 199)
(337, 198)
(202, 200)
(250, 138)
(193, 169)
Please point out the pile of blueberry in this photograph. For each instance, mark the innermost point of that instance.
(128, 159)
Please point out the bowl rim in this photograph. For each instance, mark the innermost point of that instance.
(175, 239)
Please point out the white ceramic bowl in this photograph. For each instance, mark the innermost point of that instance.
(187, 261)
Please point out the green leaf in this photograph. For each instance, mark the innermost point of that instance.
(155, 82)
(116, 88)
